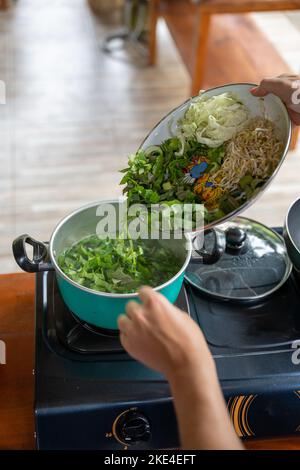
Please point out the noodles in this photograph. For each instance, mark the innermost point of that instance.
(255, 151)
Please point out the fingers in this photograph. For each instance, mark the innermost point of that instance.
(134, 310)
(152, 299)
(123, 324)
(123, 340)
(281, 86)
(130, 325)
(258, 91)
(146, 295)
(156, 304)
(134, 316)
(272, 85)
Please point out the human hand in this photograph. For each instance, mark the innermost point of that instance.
(163, 337)
(166, 339)
(286, 87)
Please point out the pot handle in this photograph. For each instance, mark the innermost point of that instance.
(40, 259)
(218, 248)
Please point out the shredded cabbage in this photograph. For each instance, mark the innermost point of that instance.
(212, 121)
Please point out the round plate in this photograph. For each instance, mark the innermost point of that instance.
(270, 106)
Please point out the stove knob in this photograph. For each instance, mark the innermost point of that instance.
(132, 426)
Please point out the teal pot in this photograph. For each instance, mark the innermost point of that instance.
(97, 308)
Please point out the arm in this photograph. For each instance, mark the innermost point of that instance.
(287, 87)
(201, 412)
(169, 341)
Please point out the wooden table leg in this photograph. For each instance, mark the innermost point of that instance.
(203, 24)
(153, 18)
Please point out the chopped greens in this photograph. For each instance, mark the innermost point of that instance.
(118, 265)
(157, 175)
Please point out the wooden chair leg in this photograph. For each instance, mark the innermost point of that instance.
(153, 17)
(295, 136)
(202, 34)
(3, 4)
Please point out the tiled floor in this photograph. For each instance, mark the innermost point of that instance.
(73, 114)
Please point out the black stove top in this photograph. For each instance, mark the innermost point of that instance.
(77, 336)
(91, 394)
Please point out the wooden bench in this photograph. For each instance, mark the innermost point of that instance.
(218, 41)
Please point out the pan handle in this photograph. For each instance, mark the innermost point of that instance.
(217, 250)
(40, 259)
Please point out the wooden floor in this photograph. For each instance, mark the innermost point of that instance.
(73, 114)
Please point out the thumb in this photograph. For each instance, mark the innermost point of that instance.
(279, 86)
(258, 91)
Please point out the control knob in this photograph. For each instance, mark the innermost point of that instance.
(132, 427)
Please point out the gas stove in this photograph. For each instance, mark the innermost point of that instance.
(89, 394)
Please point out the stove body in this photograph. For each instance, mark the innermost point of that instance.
(91, 395)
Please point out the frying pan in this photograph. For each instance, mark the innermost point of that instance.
(292, 233)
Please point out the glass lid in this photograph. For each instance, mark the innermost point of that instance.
(240, 260)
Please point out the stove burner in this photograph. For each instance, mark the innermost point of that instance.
(264, 325)
(97, 330)
(81, 337)
(76, 335)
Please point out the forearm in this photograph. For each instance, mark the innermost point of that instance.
(201, 411)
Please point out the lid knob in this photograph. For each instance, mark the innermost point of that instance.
(235, 240)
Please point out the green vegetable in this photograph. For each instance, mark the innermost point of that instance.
(155, 175)
(228, 203)
(167, 186)
(150, 180)
(119, 265)
(245, 181)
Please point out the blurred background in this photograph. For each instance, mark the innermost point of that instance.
(87, 79)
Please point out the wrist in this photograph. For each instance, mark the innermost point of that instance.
(197, 373)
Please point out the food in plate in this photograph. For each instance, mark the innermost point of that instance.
(213, 121)
(119, 265)
(219, 156)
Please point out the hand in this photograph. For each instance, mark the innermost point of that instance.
(166, 339)
(163, 337)
(286, 87)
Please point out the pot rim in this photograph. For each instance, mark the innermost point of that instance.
(108, 294)
(251, 201)
(286, 225)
